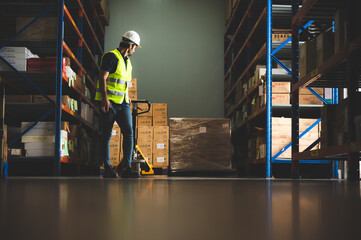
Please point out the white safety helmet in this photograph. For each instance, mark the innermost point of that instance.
(131, 37)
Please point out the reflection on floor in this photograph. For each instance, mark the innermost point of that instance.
(178, 208)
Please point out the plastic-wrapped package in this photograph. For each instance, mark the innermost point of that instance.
(200, 144)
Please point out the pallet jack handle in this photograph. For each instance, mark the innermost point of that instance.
(135, 106)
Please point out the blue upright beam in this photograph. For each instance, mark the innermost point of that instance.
(59, 69)
(290, 38)
(269, 89)
(335, 163)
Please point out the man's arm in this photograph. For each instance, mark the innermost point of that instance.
(105, 104)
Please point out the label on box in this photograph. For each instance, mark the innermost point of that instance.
(15, 152)
(160, 145)
(160, 159)
(202, 130)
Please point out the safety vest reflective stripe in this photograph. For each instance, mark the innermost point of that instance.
(115, 93)
(117, 81)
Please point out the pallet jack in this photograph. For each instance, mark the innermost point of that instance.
(139, 161)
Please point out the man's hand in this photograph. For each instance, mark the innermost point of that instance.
(106, 105)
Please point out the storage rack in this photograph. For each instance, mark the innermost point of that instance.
(247, 46)
(79, 30)
(342, 70)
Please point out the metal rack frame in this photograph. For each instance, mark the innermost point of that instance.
(59, 9)
(351, 150)
(266, 50)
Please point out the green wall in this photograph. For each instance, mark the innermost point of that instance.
(181, 62)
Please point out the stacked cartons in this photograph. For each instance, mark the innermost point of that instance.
(200, 144)
(40, 140)
(144, 138)
(307, 62)
(308, 98)
(160, 114)
(42, 29)
(325, 43)
(282, 135)
(16, 56)
(160, 146)
(132, 89)
(115, 145)
(281, 92)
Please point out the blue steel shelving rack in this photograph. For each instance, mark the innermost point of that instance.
(350, 56)
(57, 8)
(270, 57)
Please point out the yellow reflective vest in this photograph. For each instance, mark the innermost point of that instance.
(117, 83)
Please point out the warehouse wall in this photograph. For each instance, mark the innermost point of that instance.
(181, 62)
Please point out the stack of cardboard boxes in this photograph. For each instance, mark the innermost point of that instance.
(40, 140)
(16, 56)
(282, 135)
(115, 145)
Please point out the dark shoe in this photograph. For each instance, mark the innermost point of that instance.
(130, 173)
(110, 173)
(119, 169)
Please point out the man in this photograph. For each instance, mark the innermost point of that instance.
(112, 92)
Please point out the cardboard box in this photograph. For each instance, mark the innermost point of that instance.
(19, 98)
(160, 159)
(280, 98)
(160, 121)
(160, 109)
(160, 146)
(144, 107)
(144, 121)
(42, 99)
(325, 43)
(305, 91)
(340, 30)
(133, 95)
(42, 29)
(148, 156)
(114, 156)
(132, 85)
(145, 133)
(281, 34)
(281, 87)
(310, 99)
(307, 62)
(161, 133)
(146, 145)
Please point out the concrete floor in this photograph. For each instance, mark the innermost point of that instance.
(178, 208)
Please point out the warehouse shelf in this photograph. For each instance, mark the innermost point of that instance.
(257, 48)
(16, 9)
(339, 71)
(244, 46)
(72, 37)
(333, 72)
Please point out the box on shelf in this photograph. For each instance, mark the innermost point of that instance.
(305, 91)
(309, 99)
(325, 43)
(280, 98)
(281, 34)
(16, 56)
(160, 121)
(42, 64)
(307, 62)
(160, 109)
(144, 133)
(42, 29)
(133, 95)
(144, 121)
(200, 144)
(340, 30)
(160, 159)
(281, 87)
(143, 107)
(19, 98)
(161, 133)
(133, 85)
(160, 146)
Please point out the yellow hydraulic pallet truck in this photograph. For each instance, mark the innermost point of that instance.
(139, 162)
